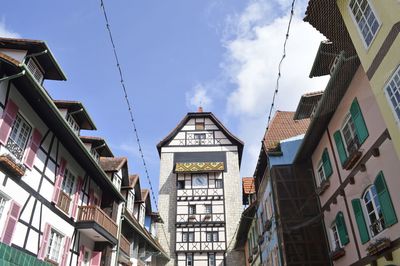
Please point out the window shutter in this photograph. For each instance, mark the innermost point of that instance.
(60, 177)
(362, 227)
(66, 251)
(359, 123)
(45, 240)
(96, 258)
(76, 196)
(326, 163)
(33, 148)
(81, 254)
(389, 215)
(11, 223)
(342, 230)
(9, 115)
(340, 146)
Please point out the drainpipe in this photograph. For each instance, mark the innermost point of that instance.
(119, 233)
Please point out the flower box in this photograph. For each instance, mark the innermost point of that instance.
(322, 187)
(337, 253)
(352, 160)
(378, 245)
(11, 166)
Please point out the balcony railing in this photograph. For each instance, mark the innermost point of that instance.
(95, 214)
(124, 245)
(15, 149)
(64, 201)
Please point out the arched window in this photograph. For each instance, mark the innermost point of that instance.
(374, 217)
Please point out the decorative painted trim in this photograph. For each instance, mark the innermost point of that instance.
(199, 167)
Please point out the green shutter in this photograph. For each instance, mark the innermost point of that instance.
(342, 230)
(362, 227)
(359, 123)
(389, 215)
(340, 146)
(326, 163)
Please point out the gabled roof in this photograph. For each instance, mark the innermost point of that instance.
(112, 164)
(307, 104)
(249, 188)
(283, 126)
(146, 198)
(78, 111)
(211, 116)
(47, 60)
(99, 144)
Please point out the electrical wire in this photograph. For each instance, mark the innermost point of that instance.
(130, 109)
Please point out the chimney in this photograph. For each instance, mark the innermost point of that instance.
(200, 109)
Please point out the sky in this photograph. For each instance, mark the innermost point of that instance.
(175, 55)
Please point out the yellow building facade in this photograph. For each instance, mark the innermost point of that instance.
(374, 27)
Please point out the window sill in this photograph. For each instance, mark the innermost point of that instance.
(352, 160)
(322, 187)
(12, 165)
(338, 253)
(379, 245)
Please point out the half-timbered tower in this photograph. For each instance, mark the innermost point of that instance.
(200, 192)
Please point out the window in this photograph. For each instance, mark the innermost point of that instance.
(35, 70)
(189, 259)
(188, 237)
(324, 166)
(339, 235)
(211, 259)
(212, 236)
(208, 208)
(68, 182)
(53, 251)
(142, 213)
(192, 209)
(3, 202)
(200, 181)
(116, 180)
(365, 19)
(131, 200)
(335, 238)
(19, 137)
(199, 125)
(71, 121)
(200, 136)
(218, 183)
(180, 184)
(349, 134)
(373, 211)
(393, 92)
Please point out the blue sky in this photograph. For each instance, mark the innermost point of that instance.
(174, 54)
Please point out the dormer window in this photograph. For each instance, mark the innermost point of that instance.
(116, 180)
(71, 121)
(95, 154)
(130, 201)
(35, 70)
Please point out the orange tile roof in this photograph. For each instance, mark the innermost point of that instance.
(282, 126)
(248, 185)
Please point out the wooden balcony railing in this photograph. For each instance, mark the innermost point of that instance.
(64, 201)
(124, 245)
(95, 214)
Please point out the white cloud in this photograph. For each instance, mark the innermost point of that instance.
(199, 96)
(252, 58)
(4, 32)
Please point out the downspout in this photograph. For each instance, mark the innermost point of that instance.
(122, 217)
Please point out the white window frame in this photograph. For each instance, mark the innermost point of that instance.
(52, 252)
(335, 239)
(131, 200)
(219, 181)
(394, 86)
(142, 213)
(4, 198)
(20, 131)
(68, 177)
(73, 124)
(117, 181)
(349, 124)
(95, 154)
(371, 191)
(208, 208)
(362, 37)
(321, 170)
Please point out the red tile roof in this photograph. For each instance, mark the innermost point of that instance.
(248, 185)
(283, 126)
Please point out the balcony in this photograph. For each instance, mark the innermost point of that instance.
(64, 201)
(11, 166)
(354, 154)
(96, 224)
(124, 245)
(337, 253)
